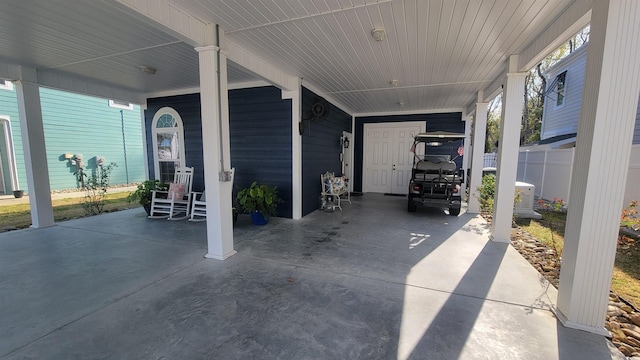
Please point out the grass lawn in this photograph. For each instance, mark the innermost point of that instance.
(626, 273)
(19, 216)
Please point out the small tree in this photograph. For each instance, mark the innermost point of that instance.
(95, 188)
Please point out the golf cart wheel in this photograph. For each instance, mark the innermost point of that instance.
(411, 206)
(454, 211)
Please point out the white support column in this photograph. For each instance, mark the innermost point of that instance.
(143, 109)
(508, 150)
(467, 150)
(35, 153)
(296, 148)
(216, 150)
(603, 146)
(477, 159)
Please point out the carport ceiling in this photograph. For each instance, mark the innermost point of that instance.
(441, 52)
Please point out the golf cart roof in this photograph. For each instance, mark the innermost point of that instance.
(439, 136)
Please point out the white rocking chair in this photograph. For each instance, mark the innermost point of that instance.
(175, 201)
(199, 203)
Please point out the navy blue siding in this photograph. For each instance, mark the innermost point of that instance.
(188, 107)
(320, 149)
(260, 138)
(260, 129)
(435, 122)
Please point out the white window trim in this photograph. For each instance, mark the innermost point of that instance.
(154, 137)
(6, 85)
(564, 98)
(5, 122)
(114, 104)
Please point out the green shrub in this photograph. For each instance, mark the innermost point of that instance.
(485, 193)
(263, 198)
(95, 188)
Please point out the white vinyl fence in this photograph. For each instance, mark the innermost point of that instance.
(550, 172)
(490, 160)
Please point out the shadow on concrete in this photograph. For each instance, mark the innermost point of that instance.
(449, 331)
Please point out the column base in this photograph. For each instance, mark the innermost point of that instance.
(42, 226)
(600, 330)
(223, 257)
(499, 240)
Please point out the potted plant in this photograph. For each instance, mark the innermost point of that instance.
(143, 193)
(260, 201)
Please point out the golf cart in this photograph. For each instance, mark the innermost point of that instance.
(435, 181)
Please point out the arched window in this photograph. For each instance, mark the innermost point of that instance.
(168, 143)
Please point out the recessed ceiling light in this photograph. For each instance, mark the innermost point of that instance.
(401, 103)
(378, 34)
(394, 83)
(150, 70)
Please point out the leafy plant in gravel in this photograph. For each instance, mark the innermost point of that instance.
(630, 217)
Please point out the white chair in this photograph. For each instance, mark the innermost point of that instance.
(199, 203)
(334, 188)
(175, 201)
(198, 206)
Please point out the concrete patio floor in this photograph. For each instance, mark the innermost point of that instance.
(369, 282)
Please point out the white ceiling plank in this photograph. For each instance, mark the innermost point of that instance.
(441, 51)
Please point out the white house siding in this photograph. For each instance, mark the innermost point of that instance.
(564, 119)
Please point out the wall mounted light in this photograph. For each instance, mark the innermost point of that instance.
(401, 103)
(345, 142)
(378, 34)
(394, 83)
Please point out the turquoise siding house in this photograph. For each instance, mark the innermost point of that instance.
(73, 124)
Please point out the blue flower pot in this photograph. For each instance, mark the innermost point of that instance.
(258, 218)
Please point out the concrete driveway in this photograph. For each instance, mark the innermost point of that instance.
(370, 282)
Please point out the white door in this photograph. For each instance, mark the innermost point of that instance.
(388, 161)
(378, 164)
(402, 158)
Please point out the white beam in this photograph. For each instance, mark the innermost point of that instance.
(296, 149)
(215, 151)
(489, 92)
(260, 67)
(512, 104)
(477, 156)
(603, 146)
(574, 18)
(249, 84)
(57, 80)
(35, 152)
(171, 19)
(326, 96)
(411, 112)
(175, 21)
(176, 92)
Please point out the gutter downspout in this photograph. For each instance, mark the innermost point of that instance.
(11, 155)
